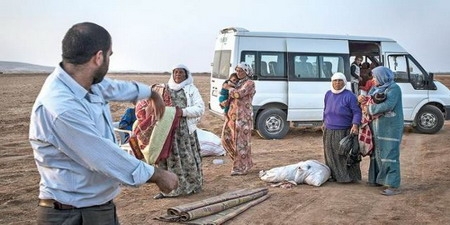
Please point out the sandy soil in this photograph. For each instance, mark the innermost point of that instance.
(425, 169)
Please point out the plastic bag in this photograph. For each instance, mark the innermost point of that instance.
(349, 147)
(346, 144)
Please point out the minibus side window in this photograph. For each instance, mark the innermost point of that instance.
(272, 65)
(266, 65)
(249, 58)
(305, 66)
(405, 70)
(416, 75)
(315, 67)
(398, 65)
(331, 65)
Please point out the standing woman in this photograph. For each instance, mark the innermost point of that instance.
(384, 169)
(237, 130)
(184, 159)
(341, 116)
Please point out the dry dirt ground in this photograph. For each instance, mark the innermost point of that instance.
(425, 161)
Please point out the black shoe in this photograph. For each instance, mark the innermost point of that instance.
(373, 184)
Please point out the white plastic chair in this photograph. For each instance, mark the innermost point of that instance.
(121, 134)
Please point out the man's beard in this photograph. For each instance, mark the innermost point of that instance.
(100, 73)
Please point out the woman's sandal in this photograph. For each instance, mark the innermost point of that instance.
(159, 196)
(236, 173)
(390, 191)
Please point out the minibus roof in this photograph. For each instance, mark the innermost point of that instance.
(244, 32)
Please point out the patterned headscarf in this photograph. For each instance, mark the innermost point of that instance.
(248, 70)
(189, 79)
(384, 76)
(338, 76)
(246, 67)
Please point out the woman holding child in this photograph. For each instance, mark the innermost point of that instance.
(384, 169)
(237, 130)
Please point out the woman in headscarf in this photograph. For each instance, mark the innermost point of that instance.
(184, 158)
(238, 126)
(384, 169)
(341, 116)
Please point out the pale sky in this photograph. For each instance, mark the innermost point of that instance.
(154, 35)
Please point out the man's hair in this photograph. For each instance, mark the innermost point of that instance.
(83, 40)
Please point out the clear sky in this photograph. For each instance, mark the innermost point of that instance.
(154, 35)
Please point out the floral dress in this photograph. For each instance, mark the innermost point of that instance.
(185, 160)
(238, 126)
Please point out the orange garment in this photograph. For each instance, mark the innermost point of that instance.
(369, 84)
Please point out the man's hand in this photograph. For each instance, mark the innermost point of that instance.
(165, 180)
(158, 105)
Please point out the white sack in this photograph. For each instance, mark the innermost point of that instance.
(210, 144)
(279, 174)
(303, 171)
(314, 172)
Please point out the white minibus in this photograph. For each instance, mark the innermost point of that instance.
(292, 74)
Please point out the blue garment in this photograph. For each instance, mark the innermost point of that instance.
(341, 110)
(73, 141)
(127, 121)
(224, 93)
(387, 131)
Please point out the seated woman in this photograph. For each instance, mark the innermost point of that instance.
(127, 120)
(184, 158)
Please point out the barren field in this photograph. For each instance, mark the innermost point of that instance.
(425, 166)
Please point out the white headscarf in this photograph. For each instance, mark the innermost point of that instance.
(338, 76)
(189, 79)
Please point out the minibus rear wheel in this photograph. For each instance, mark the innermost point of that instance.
(271, 123)
(429, 120)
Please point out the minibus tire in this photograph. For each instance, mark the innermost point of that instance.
(429, 120)
(272, 124)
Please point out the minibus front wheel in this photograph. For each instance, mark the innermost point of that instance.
(271, 123)
(429, 120)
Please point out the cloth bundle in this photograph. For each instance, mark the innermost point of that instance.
(216, 210)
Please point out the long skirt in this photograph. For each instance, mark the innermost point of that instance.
(338, 163)
(185, 161)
